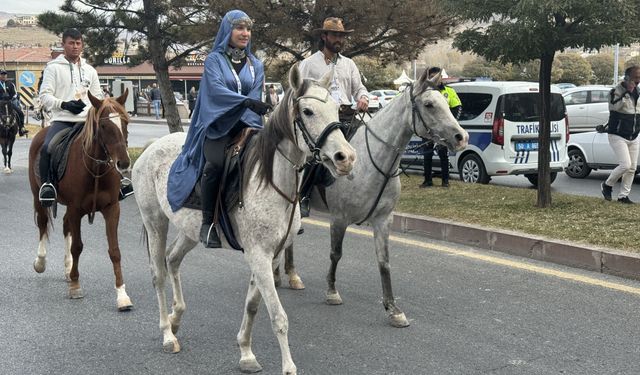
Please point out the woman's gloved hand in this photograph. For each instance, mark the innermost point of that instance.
(73, 106)
(257, 106)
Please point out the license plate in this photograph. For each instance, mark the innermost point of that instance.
(527, 146)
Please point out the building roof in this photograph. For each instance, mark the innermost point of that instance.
(146, 68)
(27, 55)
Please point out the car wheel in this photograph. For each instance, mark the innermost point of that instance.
(577, 167)
(533, 178)
(472, 170)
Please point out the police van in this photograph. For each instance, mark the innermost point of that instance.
(502, 119)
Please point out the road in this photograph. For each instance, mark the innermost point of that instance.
(471, 311)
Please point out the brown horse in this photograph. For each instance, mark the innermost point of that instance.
(8, 131)
(91, 183)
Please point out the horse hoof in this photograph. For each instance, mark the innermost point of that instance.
(76, 293)
(7, 170)
(250, 366)
(171, 347)
(39, 265)
(296, 283)
(398, 320)
(333, 298)
(124, 304)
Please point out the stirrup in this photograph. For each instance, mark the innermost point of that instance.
(209, 236)
(305, 207)
(47, 194)
(126, 188)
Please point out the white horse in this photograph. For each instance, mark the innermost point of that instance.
(301, 127)
(371, 192)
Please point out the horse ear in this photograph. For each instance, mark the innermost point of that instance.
(95, 102)
(123, 98)
(325, 81)
(424, 83)
(295, 79)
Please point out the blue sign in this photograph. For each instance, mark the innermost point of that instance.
(27, 79)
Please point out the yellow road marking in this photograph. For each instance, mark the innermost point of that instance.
(494, 260)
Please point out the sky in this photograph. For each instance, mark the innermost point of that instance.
(31, 6)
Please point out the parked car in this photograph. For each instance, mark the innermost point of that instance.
(384, 95)
(587, 107)
(589, 151)
(563, 86)
(502, 119)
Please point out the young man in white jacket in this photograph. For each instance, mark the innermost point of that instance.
(64, 91)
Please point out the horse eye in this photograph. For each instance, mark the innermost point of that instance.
(307, 112)
(428, 105)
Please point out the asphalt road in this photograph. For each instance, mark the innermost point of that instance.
(471, 311)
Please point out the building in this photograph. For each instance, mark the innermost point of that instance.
(25, 65)
(27, 20)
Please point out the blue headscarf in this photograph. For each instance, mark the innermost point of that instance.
(218, 108)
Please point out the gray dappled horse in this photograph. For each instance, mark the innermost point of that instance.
(372, 190)
(264, 225)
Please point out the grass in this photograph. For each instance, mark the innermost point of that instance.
(584, 220)
(579, 219)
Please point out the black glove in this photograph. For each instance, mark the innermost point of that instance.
(257, 106)
(73, 106)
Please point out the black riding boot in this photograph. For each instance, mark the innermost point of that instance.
(210, 185)
(126, 188)
(47, 194)
(308, 177)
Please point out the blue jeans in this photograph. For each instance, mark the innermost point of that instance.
(156, 108)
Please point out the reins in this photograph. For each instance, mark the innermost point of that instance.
(98, 163)
(397, 150)
(315, 148)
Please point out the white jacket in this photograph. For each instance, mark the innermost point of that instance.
(62, 82)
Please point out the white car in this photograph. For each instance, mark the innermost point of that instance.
(589, 151)
(384, 95)
(587, 107)
(374, 103)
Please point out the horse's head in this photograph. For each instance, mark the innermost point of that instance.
(316, 116)
(432, 118)
(109, 120)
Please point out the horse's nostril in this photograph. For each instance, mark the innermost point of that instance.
(340, 156)
(459, 137)
(122, 164)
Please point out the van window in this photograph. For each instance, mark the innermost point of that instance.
(473, 104)
(526, 107)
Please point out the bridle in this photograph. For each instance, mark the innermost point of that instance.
(8, 114)
(97, 162)
(415, 113)
(314, 146)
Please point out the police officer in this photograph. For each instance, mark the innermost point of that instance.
(455, 105)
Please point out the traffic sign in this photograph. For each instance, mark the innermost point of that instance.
(27, 78)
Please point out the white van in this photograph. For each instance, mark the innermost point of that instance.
(502, 119)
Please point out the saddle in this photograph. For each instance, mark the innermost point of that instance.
(59, 147)
(230, 194)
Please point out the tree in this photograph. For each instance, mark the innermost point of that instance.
(171, 30)
(602, 68)
(282, 34)
(523, 30)
(376, 75)
(386, 30)
(575, 69)
(479, 67)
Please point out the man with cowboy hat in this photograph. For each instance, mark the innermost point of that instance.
(345, 84)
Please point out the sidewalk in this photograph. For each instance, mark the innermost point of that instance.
(145, 119)
(603, 260)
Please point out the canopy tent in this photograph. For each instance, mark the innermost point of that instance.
(402, 80)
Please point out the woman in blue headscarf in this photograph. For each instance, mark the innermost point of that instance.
(229, 100)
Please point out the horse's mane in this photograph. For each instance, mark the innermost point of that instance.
(277, 128)
(90, 129)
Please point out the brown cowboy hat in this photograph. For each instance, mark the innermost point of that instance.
(333, 24)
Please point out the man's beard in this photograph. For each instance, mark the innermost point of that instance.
(334, 47)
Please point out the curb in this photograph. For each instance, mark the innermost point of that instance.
(607, 261)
